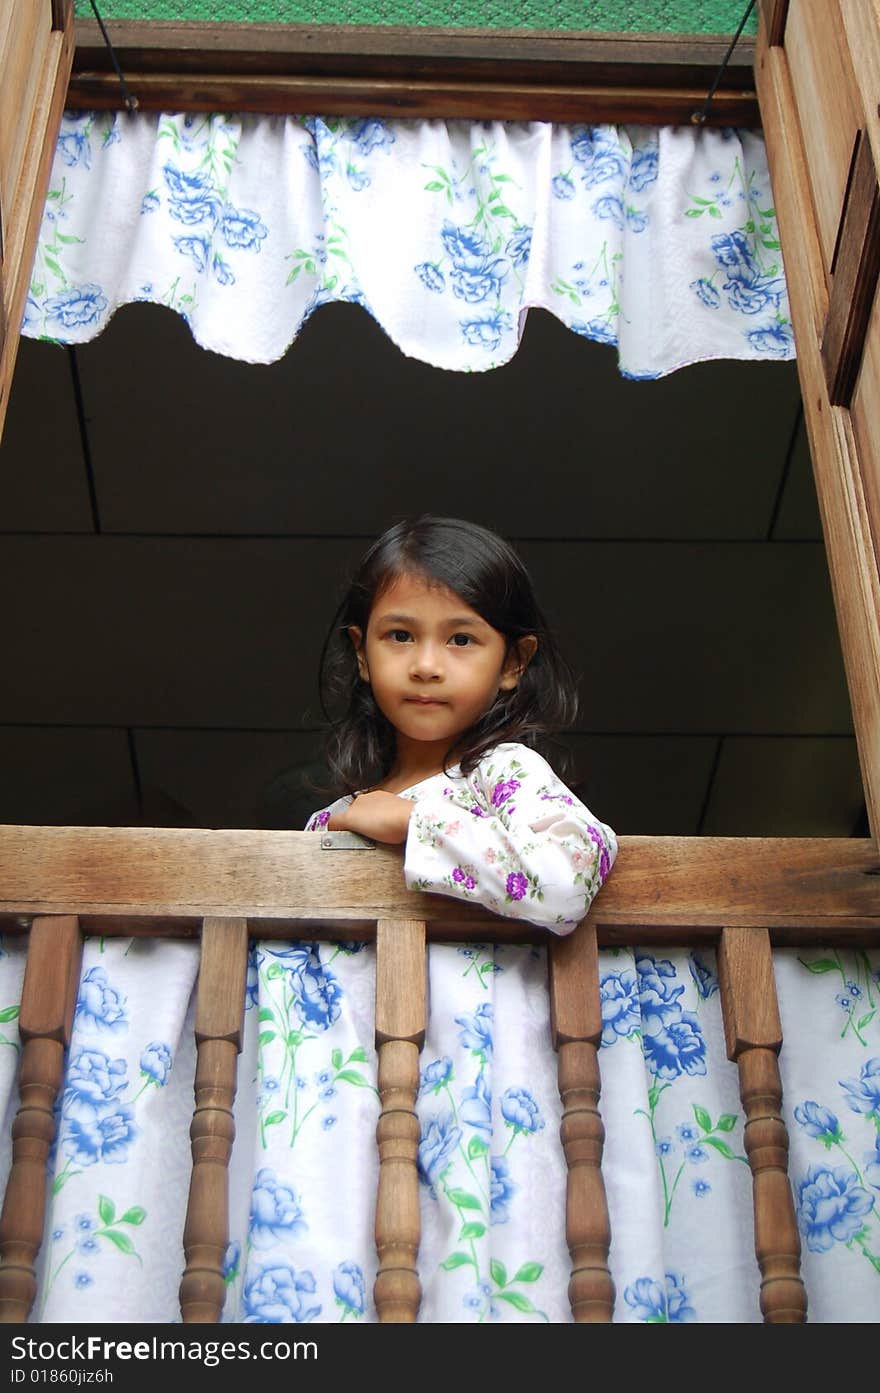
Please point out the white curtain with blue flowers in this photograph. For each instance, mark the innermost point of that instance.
(662, 242)
(491, 1169)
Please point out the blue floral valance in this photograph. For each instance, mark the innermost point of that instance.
(661, 241)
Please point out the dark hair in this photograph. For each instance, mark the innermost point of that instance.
(487, 574)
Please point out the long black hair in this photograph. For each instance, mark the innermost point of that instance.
(485, 571)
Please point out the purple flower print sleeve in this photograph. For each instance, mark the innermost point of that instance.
(512, 838)
(318, 821)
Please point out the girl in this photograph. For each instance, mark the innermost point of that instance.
(447, 674)
(440, 675)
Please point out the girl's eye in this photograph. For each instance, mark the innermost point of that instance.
(399, 635)
(461, 640)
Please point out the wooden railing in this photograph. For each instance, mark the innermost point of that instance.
(742, 895)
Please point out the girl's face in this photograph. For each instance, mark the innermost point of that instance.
(434, 664)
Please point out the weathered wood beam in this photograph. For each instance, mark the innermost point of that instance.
(855, 270)
(773, 13)
(48, 999)
(219, 1027)
(809, 133)
(753, 1035)
(400, 1020)
(663, 889)
(576, 1032)
(35, 57)
(413, 72)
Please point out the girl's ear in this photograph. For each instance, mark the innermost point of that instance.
(357, 639)
(519, 655)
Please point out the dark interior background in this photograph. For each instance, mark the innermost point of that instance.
(176, 528)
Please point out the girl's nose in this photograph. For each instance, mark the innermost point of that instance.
(426, 664)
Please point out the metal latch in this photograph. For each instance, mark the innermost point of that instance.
(346, 841)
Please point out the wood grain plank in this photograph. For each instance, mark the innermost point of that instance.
(861, 24)
(748, 991)
(388, 70)
(792, 191)
(20, 62)
(154, 46)
(218, 1026)
(400, 1033)
(48, 1000)
(663, 889)
(576, 1033)
(827, 102)
(774, 14)
(406, 98)
(401, 995)
(837, 468)
(222, 981)
(185, 873)
(854, 282)
(864, 414)
(861, 28)
(6, 9)
(24, 215)
(753, 1036)
(575, 1008)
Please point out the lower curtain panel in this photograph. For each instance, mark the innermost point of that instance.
(304, 1168)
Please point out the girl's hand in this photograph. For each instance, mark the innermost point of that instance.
(382, 816)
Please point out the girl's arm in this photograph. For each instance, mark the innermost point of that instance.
(522, 845)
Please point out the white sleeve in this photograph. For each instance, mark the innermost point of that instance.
(519, 843)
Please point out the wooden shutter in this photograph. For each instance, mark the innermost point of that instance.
(817, 70)
(36, 50)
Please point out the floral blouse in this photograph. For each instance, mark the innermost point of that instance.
(509, 836)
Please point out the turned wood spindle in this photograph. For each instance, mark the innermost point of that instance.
(400, 1034)
(576, 1033)
(753, 1035)
(218, 1032)
(48, 1000)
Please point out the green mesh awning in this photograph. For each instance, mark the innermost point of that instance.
(607, 16)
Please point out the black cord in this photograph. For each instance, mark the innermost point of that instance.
(698, 118)
(85, 441)
(131, 102)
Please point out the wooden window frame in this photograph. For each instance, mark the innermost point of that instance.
(832, 295)
(35, 64)
(386, 70)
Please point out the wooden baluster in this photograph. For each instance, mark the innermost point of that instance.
(219, 1015)
(400, 1034)
(753, 1035)
(48, 999)
(576, 1032)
